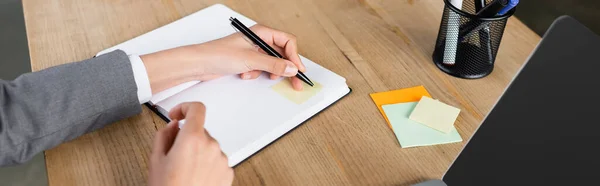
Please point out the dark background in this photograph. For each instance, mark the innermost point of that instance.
(14, 53)
(539, 14)
(14, 56)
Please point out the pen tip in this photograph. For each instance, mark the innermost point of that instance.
(304, 78)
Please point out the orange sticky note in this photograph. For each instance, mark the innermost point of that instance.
(398, 96)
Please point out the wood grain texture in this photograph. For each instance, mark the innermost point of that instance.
(378, 45)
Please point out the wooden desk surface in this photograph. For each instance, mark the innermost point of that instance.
(378, 45)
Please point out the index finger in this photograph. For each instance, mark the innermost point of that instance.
(290, 45)
(282, 40)
(194, 114)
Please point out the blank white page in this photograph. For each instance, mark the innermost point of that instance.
(246, 115)
(242, 115)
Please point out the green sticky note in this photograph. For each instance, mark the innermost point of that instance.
(413, 134)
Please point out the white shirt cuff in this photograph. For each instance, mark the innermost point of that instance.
(144, 92)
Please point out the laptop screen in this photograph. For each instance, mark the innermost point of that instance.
(545, 129)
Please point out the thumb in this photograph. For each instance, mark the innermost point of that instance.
(273, 65)
(194, 114)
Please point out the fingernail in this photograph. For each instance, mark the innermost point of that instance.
(290, 69)
(303, 68)
(245, 76)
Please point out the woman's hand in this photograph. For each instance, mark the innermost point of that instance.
(190, 156)
(233, 54)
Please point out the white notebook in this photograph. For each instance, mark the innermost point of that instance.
(244, 116)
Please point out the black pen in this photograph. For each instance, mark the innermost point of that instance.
(264, 46)
(479, 4)
(492, 9)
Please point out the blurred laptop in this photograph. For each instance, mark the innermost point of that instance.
(545, 129)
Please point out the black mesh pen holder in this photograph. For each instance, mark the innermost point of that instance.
(467, 45)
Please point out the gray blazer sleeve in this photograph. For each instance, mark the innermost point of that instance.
(42, 109)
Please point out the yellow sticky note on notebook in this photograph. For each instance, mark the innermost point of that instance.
(284, 88)
(435, 114)
(398, 96)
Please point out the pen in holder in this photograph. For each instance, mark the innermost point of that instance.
(467, 44)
